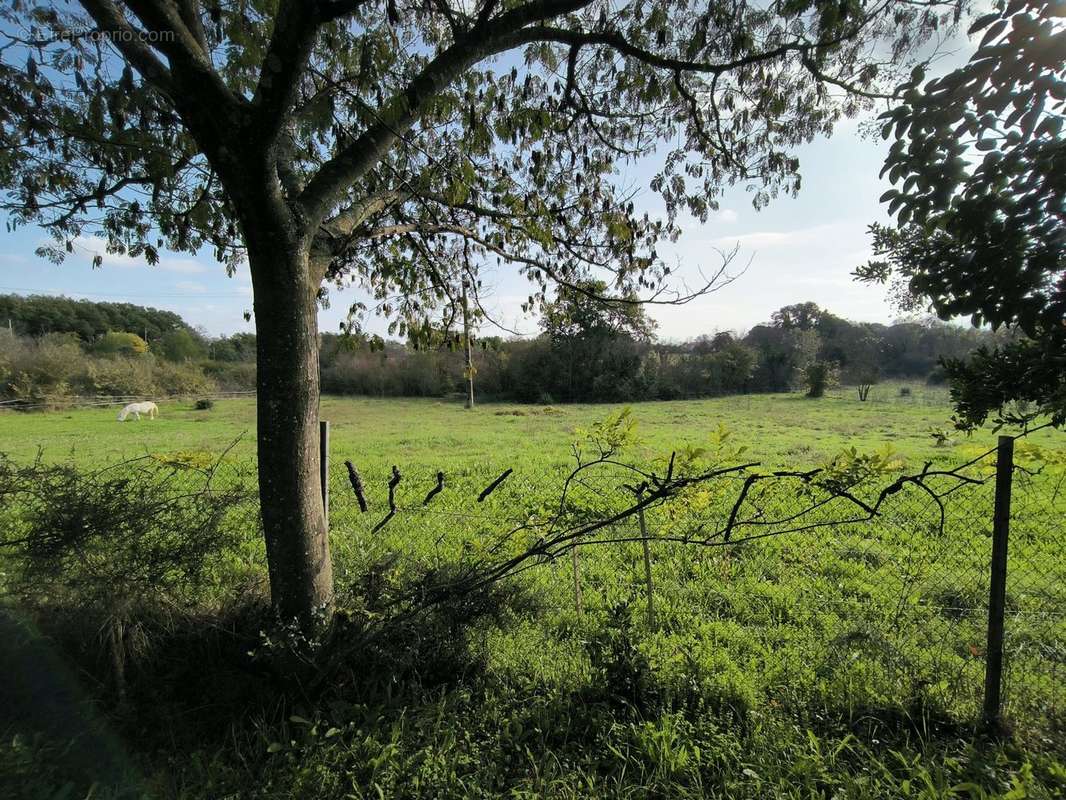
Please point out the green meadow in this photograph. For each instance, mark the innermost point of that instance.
(846, 661)
(784, 429)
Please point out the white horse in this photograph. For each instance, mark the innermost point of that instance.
(149, 408)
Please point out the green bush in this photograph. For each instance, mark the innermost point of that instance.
(121, 343)
(187, 378)
(112, 537)
(818, 377)
(205, 404)
(121, 376)
(231, 377)
(178, 344)
(45, 371)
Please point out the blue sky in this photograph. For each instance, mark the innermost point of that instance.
(795, 249)
(799, 249)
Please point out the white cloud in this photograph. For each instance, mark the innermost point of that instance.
(178, 264)
(763, 240)
(190, 286)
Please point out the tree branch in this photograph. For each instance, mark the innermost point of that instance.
(717, 281)
(400, 113)
(190, 16)
(295, 26)
(190, 66)
(128, 41)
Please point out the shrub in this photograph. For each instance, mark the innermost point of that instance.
(110, 537)
(205, 404)
(107, 545)
(184, 378)
(904, 391)
(121, 376)
(941, 436)
(232, 377)
(818, 377)
(938, 377)
(42, 371)
(179, 344)
(121, 343)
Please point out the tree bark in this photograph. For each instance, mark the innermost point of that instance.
(287, 383)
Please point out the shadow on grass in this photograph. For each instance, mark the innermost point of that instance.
(52, 732)
(231, 686)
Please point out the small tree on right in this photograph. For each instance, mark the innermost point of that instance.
(980, 165)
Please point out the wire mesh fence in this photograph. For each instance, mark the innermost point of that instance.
(1035, 610)
(787, 587)
(814, 595)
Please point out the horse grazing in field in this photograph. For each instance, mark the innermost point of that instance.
(151, 409)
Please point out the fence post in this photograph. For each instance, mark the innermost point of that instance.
(578, 604)
(997, 593)
(647, 562)
(323, 465)
(466, 350)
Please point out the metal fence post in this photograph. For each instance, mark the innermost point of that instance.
(998, 586)
(323, 465)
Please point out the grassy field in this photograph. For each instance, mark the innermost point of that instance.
(779, 429)
(846, 662)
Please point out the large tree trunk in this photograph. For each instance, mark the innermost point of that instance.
(286, 320)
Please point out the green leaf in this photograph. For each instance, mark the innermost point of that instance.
(983, 22)
(993, 32)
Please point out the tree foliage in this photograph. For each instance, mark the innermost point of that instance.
(579, 311)
(121, 343)
(403, 145)
(37, 315)
(612, 365)
(178, 344)
(980, 162)
(404, 139)
(819, 376)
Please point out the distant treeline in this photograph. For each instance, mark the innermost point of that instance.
(583, 355)
(54, 348)
(586, 352)
(38, 315)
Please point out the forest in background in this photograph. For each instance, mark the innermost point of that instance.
(56, 348)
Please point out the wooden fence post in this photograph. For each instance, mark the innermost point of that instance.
(647, 562)
(578, 604)
(323, 465)
(997, 593)
(467, 354)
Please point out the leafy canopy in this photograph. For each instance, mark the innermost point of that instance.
(121, 343)
(580, 312)
(403, 144)
(980, 165)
